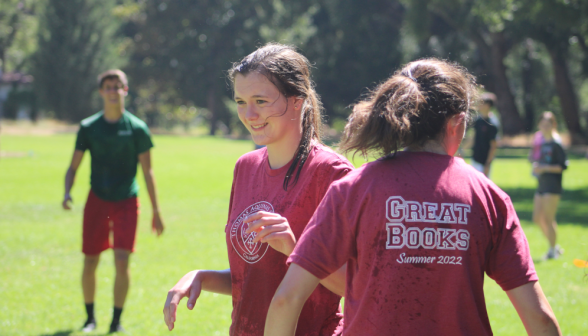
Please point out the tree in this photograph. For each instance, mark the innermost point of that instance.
(356, 46)
(554, 23)
(10, 19)
(189, 46)
(485, 23)
(77, 41)
(183, 48)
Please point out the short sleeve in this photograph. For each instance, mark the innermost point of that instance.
(335, 171)
(509, 263)
(82, 139)
(327, 242)
(142, 139)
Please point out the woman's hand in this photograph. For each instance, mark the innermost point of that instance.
(189, 286)
(537, 168)
(273, 229)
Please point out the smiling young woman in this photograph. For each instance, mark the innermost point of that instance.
(272, 119)
(275, 192)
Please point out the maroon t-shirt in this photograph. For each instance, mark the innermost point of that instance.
(257, 269)
(418, 231)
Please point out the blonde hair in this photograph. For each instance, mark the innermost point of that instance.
(549, 116)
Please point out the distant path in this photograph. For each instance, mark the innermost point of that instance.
(43, 127)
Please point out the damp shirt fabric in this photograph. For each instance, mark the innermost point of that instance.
(256, 268)
(418, 231)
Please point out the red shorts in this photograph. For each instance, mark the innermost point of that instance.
(101, 217)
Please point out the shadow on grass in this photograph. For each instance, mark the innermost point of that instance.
(73, 332)
(522, 153)
(573, 207)
(60, 333)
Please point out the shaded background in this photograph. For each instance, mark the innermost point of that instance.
(532, 53)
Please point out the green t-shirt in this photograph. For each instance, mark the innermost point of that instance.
(114, 148)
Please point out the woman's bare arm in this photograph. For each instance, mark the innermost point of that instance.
(534, 310)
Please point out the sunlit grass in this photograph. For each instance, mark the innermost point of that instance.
(40, 243)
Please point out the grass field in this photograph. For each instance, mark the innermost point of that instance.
(41, 261)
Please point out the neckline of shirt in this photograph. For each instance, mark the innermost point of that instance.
(122, 117)
(282, 170)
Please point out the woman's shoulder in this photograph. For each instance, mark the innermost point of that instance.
(482, 187)
(251, 158)
(324, 155)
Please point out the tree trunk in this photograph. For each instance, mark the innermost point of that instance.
(497, 82)
(527, 79)
(212, 109)
(3, 60)
(485, 53)
(567, 96)
(511, 121)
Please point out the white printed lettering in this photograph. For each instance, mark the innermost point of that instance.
(429, 240)
(444, 237)
(413, 238)
(395, 236)
(462, 210)
(446, 214)
(429, 210)
(399, 210)
(413, 211)
(395, 209)
(462, 242)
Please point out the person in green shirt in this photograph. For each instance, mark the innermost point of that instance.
(118, 141)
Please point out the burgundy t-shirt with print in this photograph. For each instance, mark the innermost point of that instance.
(257, 269)
(418, 231)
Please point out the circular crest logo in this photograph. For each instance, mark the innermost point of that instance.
(243, 243)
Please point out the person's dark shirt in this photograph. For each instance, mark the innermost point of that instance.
(485, 132)
(552, 154)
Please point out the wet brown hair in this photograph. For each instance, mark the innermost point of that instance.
(289, 71)
(410, 108)
(112, 74)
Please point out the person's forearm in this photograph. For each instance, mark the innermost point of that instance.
(216, 281)
(70, 177)
(534, 310)
(283, 314)
(336, 281)
(150, 183)
(491, 152)
(546, 327)
(284, 310)
(555, 169)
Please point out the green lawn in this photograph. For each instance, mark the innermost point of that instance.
(41, 261)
